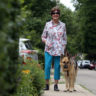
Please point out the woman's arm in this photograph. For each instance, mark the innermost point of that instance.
(44, 34)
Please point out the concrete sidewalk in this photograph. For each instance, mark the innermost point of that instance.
(80, 90)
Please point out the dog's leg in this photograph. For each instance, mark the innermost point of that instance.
(75, 78)
(71, 78)
(70, 83)
(74, 85)
(66, 81)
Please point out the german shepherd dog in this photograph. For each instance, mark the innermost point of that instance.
(69, 67)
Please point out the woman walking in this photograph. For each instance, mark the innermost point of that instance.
(55, 39)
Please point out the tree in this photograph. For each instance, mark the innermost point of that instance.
(87, 11)
(69, 18)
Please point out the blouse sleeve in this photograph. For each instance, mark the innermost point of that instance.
(44, 34)
(64, 36)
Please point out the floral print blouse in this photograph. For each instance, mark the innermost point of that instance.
(55, 38)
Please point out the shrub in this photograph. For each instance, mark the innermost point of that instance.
(9, 33)
(32, 80)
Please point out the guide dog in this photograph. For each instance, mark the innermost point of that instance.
(69, 67)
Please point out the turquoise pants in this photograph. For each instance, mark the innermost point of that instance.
(48, 62)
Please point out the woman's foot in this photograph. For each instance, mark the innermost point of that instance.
(46, 87)
(56, 87)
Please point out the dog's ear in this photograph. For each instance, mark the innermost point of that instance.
(69, 56)
(65, 53)
(62, 56)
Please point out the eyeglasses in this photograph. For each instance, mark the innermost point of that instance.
(55, 13)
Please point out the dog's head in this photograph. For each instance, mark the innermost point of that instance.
(65, 63)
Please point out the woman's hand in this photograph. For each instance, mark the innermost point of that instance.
(48, 44)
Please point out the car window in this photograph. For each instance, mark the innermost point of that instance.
(28, 45)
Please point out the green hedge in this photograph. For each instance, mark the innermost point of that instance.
(31, 82)
(9, 34)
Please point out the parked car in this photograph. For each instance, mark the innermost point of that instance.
(26, 51)
(79, 62)
(84, 64)
(93, 66)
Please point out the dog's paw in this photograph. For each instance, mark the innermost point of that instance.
(70, 90)
(74, 90)
(66, 90)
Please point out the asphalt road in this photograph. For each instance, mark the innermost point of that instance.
(87, 78)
